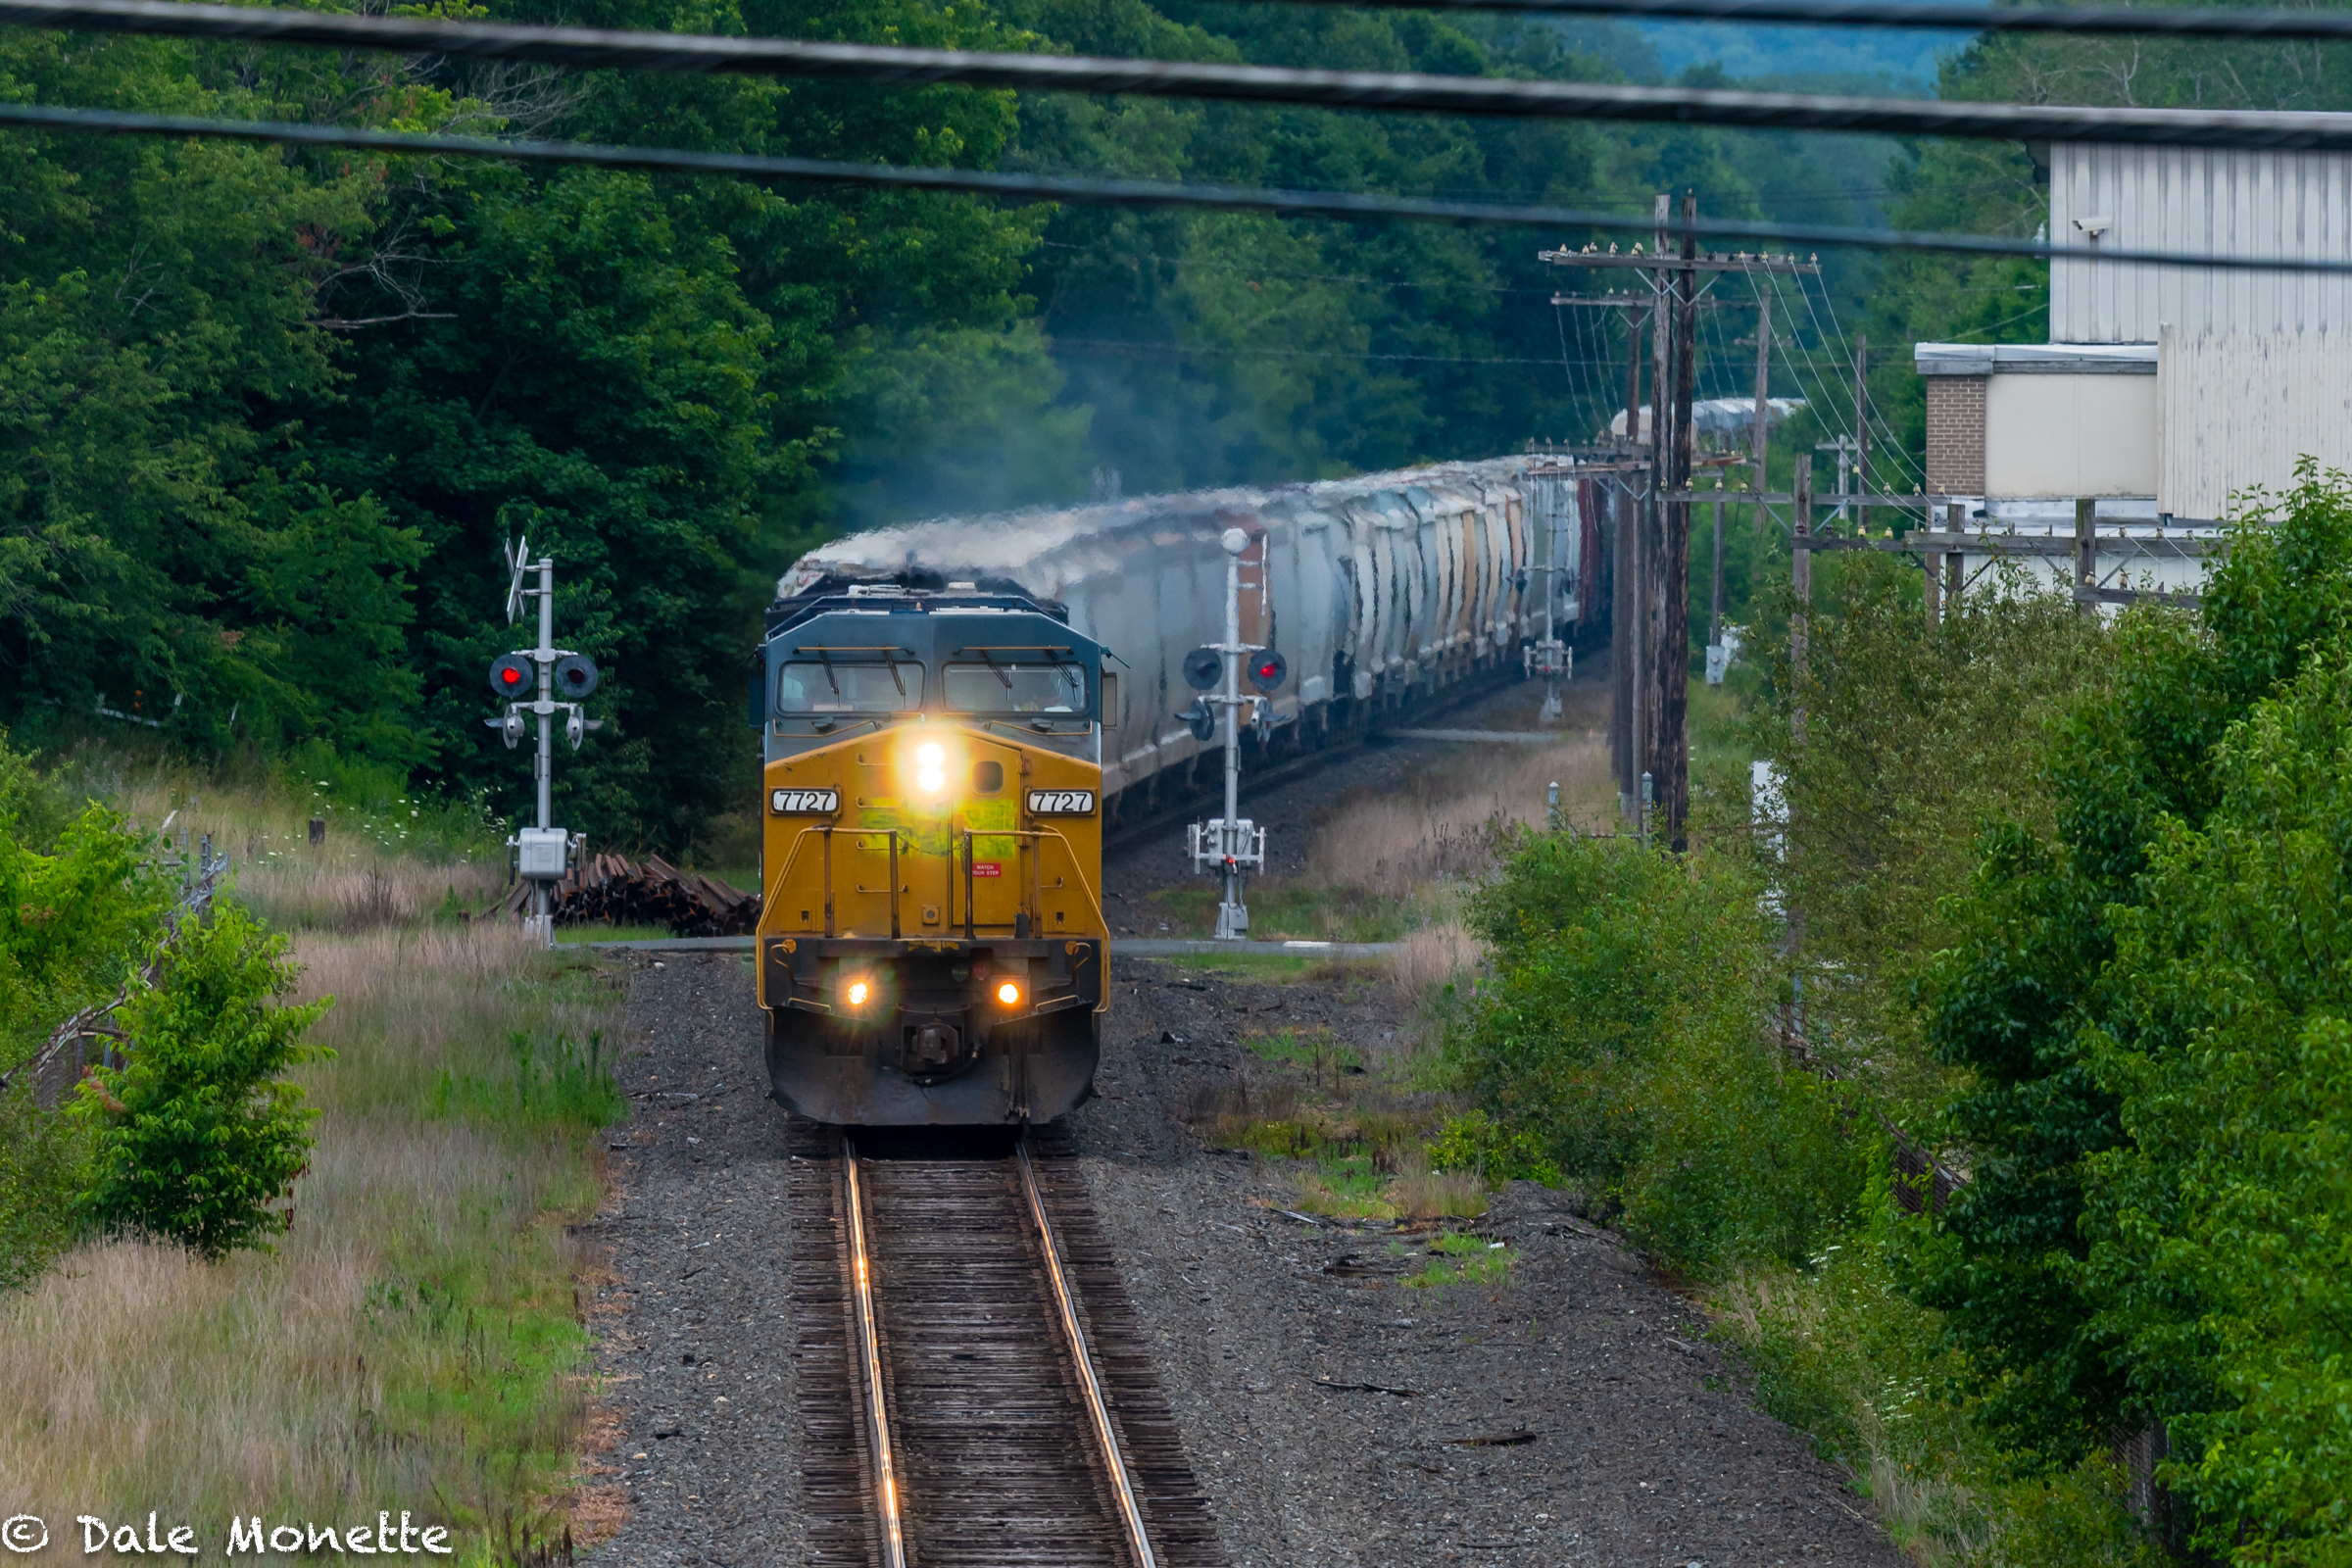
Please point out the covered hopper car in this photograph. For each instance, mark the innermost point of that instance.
(951, 711)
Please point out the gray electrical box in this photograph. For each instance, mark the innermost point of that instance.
(541, 852)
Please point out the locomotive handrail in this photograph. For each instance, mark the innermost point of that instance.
(768, 898)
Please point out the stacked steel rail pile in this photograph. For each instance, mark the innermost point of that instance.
(606, 889)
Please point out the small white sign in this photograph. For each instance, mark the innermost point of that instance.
(803, 802)
(1062, 803)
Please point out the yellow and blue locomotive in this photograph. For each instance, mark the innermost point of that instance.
(931, 946)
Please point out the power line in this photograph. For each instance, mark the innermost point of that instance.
(894, 65)
(2113, 21)
(1342, 206)
(1137, 348)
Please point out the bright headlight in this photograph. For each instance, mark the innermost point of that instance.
(931, 781)
(930, 756)
(857, 993)
(1009, 994)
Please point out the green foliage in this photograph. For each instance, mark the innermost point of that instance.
(2149, 995)
(265, 416)
(69, 922)
(198, 1135)
(1837, 1351)
(1916, 737)
(2218, 1223)
(41, 1156)
(567, 1085)
(1625, 1035)
(1495, 1154)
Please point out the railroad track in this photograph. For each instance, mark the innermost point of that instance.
(974, 1389)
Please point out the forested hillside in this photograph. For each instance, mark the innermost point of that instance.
(267, 415)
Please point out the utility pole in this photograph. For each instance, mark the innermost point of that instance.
(1800, 570)
(1625, 611)
(1664, 321)
(543, 854)
(1842, 447)
(1759, 430)
(1654, 651)
(1671, 745)
(1759, 437)
(1715, 661)
(1862, 430)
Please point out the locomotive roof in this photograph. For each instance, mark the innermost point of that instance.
(871, 599)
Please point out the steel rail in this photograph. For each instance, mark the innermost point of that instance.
(1131, 1513)
(1340, 205)
(898, 66)
(870, 1356)
(2107, 21)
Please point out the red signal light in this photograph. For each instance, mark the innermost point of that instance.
(510, 676)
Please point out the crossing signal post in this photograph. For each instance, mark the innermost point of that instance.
(1232, 845)
(529, 680)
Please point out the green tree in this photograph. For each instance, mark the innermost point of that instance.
(2027, 1000)
(198, 1136)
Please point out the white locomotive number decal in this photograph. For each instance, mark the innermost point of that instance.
(803, 802)
(1062, 803)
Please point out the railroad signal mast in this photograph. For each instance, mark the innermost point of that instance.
(1549, 657)
(543, 854)
(1232, 845)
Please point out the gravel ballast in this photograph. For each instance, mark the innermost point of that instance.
(1334, 1414)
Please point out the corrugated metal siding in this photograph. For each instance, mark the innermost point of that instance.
(2204, 201)
(2239, 408)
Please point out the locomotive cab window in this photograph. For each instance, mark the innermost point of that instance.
(1005, 687)
(828, 686)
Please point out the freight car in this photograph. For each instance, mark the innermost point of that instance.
(943, 743)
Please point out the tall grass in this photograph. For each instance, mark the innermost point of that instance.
(1839, 1352)
(389, 857)
(412, 1340)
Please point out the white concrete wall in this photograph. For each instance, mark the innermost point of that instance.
(2239, 408)
(2070, 435)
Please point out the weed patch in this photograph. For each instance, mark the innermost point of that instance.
(1458, 1259)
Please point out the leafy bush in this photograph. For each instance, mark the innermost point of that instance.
(197, 1136)
(2068, 1048)
(41, 1156)
(1474, 1142)
(1916, 735)
(1624, 1035)
(73, 923)
(1839, 1352)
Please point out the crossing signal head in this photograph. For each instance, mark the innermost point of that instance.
(1204, 721)
(1268, 670)
(576, 676)
(1203, 668)
(511, 676)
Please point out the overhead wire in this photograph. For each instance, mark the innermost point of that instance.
(1933, 16)
(1873, 430)
(1339, 205)
(898, 66)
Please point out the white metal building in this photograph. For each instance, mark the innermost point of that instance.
(2164, 391)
